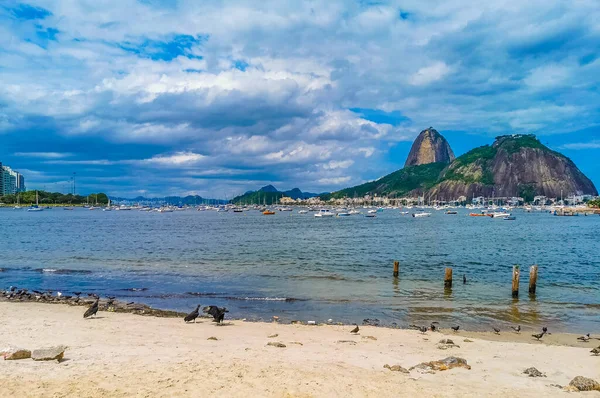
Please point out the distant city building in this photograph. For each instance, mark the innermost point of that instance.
(11, 182)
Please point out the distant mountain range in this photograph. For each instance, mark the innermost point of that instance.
(270, 195)
(172, 200)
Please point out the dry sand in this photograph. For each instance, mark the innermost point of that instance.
(129, 355)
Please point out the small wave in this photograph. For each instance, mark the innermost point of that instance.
(135, 289)
(200, 294)
(286, 299)
(62, 271)
(324, 277)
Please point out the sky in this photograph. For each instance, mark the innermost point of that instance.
(215, 98)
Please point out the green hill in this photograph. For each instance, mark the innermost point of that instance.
(398, 183)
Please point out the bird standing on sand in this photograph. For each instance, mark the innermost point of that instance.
(516, 329)
(355, 330)
(585, 338)
(423, 329)
(217, 313)
(496, 330)
(545, 330)
(433, 327)
(596, 351)
(538, 336)
(93, 309)
(455, 328)
(192, 315)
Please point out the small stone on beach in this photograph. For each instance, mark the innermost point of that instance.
(533, 372)
(212, 338)
(49, 354)
(273, 336)
(276, 344)
(581, 383)
(14, 353)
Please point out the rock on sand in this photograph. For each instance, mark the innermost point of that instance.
(49, 354)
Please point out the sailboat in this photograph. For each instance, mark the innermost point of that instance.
(37, 206)
(17, 206)
(107, 208)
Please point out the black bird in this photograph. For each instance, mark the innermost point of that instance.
(192, 315)
(93, 309)
(455, 328)
(464, 279)
(516, 329)
(496, 330)
(596, 351)
(585, 338)
(539, 335)
(545, 329)
(355, 330)
(423, 329)
(217, 313)
(433, 327)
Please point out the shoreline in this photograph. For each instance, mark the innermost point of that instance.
(120, 354)
(144, 310)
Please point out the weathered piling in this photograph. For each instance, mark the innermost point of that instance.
(533, 273)
(448, 278)
(515, 281)
(396, 268)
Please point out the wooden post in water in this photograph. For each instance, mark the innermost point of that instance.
(396, 268)
(533, 272)
(448, 278)
(515, 281)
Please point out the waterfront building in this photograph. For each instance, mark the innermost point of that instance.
(11, 181)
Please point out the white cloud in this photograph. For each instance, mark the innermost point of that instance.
(430, 74)
(44, 155)
(582, 145)
(334, 180)
(335, 164)
(177, 159)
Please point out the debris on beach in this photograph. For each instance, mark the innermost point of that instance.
(296, 342)
(369, 337)
(533, 372)
(56, 353)
(296, 322)
(444, 344)
(581, 383)
(275, 318)
(468, 340)
(273, 336)
(352, 342)
(396, 368)
(276, 344)
(311, 323)
(212, 338)
(14, 353)
(444, 364)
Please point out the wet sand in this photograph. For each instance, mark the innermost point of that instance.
(124, 355)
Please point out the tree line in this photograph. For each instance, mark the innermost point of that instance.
(44, 197)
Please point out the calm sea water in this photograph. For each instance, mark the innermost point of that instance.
(300, 267)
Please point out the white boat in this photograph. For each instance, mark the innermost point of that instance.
(404, 213)
(37, 206)
(324, 213)
(500, 215)
(421, 214)
(302, 211)
(165, 210)
(343, 214)
(354, 211)
(372, 211)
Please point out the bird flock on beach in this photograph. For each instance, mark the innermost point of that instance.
(218, 313)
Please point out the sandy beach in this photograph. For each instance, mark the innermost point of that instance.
(130, 355)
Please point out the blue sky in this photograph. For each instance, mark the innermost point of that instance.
(218, 97)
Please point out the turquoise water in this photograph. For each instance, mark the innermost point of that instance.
(300, 267)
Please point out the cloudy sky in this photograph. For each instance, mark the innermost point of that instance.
(217, 97)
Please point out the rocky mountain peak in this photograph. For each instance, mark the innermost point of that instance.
(429, 147)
